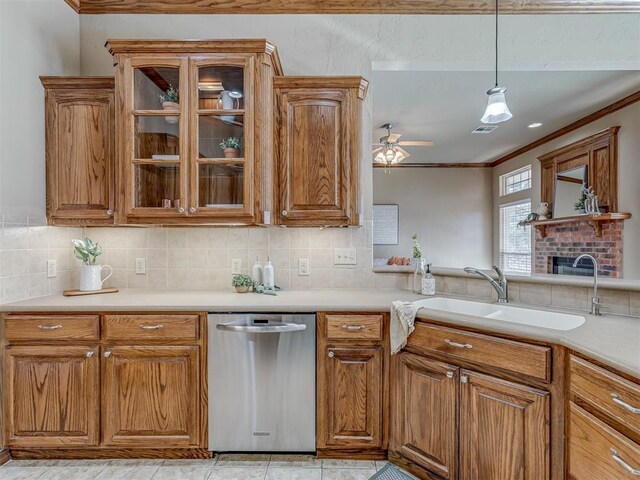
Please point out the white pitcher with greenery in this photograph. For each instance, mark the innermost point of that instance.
(90, 274)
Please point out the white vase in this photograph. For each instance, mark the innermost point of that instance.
(91, 277)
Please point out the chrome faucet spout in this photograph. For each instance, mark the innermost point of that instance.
(501, 286)
(595, 300)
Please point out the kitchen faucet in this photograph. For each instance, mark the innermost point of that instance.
(500, 286)
(595, 300)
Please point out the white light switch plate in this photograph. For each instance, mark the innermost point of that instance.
(344, 256)
(303, 267)
(236, 265)
(141, 266)
(52, 270)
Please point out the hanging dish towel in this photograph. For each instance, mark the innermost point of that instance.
(403, 316)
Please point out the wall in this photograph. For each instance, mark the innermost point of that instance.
(628, 177)
(450, 209)
(37, 37)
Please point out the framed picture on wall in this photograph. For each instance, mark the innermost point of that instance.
(385, 224)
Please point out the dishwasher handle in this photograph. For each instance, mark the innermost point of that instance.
(273, 328)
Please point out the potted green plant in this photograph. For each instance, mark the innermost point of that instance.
(242, 282)
(231, 147)
(169, 100)
(88, 252)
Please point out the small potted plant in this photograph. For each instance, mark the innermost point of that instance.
(242, 283)
(169, 101)
(90, 274)
(231, 147)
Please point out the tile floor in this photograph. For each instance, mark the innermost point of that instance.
(223, 467)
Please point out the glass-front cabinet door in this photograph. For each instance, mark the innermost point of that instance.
(155, 144)
(221, 137)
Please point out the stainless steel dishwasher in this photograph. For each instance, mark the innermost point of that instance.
(262, 382)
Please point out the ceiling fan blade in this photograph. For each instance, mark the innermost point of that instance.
(393, 137)
(403, 152)
(379, 149)
(416, 143)
(377, 144)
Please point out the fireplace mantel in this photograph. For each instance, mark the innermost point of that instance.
(595, 221)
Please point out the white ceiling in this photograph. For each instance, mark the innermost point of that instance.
(446, 106)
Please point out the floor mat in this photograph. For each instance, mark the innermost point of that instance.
(390, 472)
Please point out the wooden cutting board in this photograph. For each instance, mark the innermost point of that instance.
(77, 293)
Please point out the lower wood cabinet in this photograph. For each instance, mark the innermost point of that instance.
(352, 396)
(151, 396)
(52, 396)
(454, 423)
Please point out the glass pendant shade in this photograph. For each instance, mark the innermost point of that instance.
(497, 110)
(389, 156)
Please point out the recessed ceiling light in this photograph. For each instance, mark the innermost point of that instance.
(535, 125)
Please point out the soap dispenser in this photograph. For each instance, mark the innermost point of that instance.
(268, 276)
(256, 273)
(428, 282)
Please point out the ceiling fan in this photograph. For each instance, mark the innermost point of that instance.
(390, 151)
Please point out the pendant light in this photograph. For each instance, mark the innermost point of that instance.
(497, 110)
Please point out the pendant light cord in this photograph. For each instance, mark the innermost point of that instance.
(497, 43)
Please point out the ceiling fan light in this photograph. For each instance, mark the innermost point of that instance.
(389, 156)
(497, 110)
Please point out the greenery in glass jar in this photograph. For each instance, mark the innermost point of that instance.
(417, 251)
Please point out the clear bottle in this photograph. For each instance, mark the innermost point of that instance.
(418, 275)
(428, 282)
(256, 273)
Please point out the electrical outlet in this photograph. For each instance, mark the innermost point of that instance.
(236, 265)
(344, 256)
(52, 269)
(141, 266)
(303, 267)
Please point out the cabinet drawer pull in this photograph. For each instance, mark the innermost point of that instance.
(331, 354)
(449, 374)
(616, 456)
(192, 209)
(354, 327)
(151, 327)
(90, 354)
(110, 212)
(458, 345)
(49, 327)
(616, 399)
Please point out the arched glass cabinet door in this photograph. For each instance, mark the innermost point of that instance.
(221, 153)
(155, 136)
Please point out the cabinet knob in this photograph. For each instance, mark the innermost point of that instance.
(450, 374)
(180, 209)
(107, 354)
(284, 213)
(192, 209)
(110, 212)
(90, 354)
(331, 354)
(464, 379)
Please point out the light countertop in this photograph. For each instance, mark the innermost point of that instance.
(614, 340)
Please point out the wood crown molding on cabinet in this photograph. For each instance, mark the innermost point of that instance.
(327, 82)
(74, 83)
(193, 47)
(409, 7)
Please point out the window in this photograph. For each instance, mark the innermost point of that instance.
(515, 181)
(515, 241)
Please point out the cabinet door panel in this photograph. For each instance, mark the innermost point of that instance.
(424, 425)
(504, 430)
(151, 396)
(52, 396)
(353, 414)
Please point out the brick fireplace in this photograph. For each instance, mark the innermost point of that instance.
(572, 239)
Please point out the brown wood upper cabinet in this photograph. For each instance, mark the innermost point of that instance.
(79, 116)
(318, 150)
(177, 102)
(599, 152)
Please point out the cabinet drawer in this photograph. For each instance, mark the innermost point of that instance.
(531, 360)
(51, 327)
(598, 452)
(150, 327)
(354, 327)
(614, 395)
